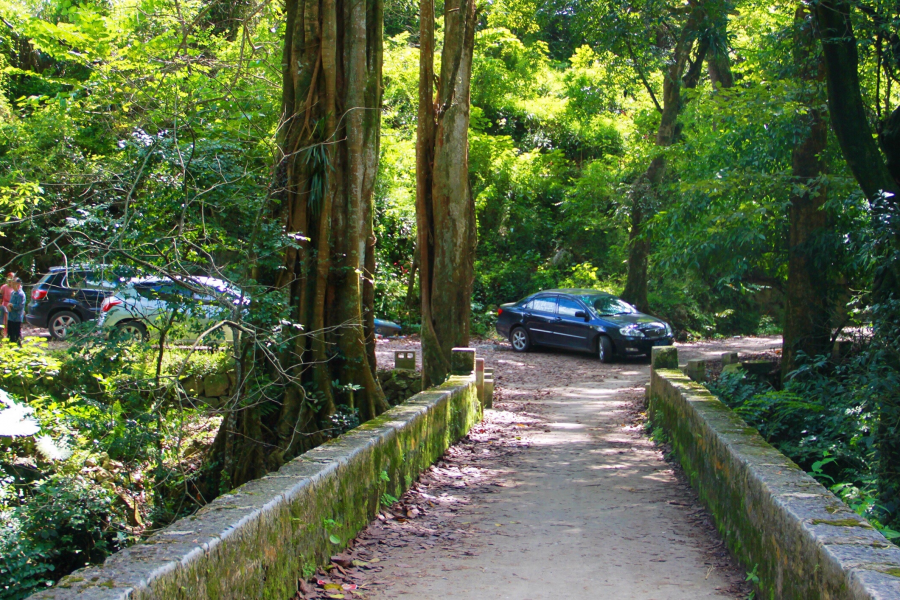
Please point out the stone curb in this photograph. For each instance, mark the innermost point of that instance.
(801, 539)
(255, 541)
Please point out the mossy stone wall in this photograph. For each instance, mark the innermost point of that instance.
(256, 541)
(801, 539)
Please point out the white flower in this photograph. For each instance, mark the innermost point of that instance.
(51, 449)
(16, 419)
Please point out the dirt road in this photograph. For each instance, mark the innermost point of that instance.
(558, 494)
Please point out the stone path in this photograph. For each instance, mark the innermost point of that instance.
(559, 494)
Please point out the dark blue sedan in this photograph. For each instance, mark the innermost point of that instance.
(582, 320)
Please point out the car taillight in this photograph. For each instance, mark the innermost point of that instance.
(108, 303)
(499, 311)
(38, 294)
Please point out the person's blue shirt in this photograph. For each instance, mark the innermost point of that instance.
(17, 307)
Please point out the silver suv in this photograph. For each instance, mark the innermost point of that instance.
(183, 307)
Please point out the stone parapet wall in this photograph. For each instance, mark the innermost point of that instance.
(256, 541)
(800, 538)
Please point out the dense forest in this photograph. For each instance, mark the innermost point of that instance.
(730, 166)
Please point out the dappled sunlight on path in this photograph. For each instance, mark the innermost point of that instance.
(558, 494)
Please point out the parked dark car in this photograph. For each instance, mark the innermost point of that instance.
(63, 298)
(583, 320)
(387, 328)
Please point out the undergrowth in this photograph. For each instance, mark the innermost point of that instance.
(112, 460)
(824, 419)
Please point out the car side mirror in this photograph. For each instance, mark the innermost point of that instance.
(581, 314)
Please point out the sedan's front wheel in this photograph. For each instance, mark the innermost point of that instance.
(605, 350)
(519, 339)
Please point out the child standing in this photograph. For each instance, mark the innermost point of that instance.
(5, 292)
(16, 308)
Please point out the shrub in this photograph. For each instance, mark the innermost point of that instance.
(59, 524)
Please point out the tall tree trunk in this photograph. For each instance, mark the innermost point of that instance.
(445, 211)
(645, 191)
(807, 318)
(845, 103)
(329, 142)
(871, 171)
(718, 65)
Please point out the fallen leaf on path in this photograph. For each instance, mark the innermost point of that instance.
(342, 560)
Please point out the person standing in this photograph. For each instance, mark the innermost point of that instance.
(16, 312)
(5, 293)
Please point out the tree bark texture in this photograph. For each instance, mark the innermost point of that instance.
(848, 112)
(445, 210)
(854, 133)
(719, 69)
(329, 141)
(645, 191)
(807, 318)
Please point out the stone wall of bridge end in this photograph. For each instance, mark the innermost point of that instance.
(802, 541)
(256, 541)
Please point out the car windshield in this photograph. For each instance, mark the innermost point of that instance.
(204, 289)
(609, 305)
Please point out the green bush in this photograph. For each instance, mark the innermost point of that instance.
(59, 524)
(28, 370)
(105, 437)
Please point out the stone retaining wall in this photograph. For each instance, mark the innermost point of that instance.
(803, 541)
(257, 540)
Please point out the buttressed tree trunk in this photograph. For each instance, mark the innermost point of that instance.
(872, 172)
(445, 211)
(645, 190)
(329, 144)
(807, 318)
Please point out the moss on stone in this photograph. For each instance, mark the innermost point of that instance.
(842, 523)
(281, 527)
(744, 481)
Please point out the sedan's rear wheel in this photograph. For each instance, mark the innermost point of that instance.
(60, 323)
(605, 351)
(133, 330)
(520, 340)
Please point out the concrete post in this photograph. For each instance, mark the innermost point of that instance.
(404, 359)
(729, 358)
(462, 361)
(696, 369)
(759, 368)
(664, 357)
(479, 379)
(488, 388)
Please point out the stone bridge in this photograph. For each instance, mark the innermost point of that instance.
(580, 504)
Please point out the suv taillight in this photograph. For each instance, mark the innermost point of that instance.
(38, 294)
(108, 303)
(499, 311)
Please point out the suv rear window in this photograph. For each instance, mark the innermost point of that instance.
(51, 279)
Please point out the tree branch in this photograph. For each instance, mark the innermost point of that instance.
(640, 73)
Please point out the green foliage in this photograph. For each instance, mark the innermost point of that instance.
(143, 134)
(753, 579)
(59, 524)
(29, 370)
(825, 420)
(104, 436)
